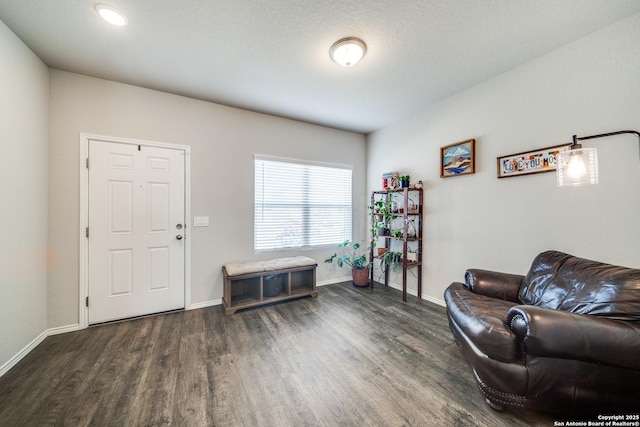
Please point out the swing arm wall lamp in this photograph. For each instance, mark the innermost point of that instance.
(579, 166)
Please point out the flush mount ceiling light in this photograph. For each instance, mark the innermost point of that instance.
(348, 51)
(111, 15)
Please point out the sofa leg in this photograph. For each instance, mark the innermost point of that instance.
(495, 406)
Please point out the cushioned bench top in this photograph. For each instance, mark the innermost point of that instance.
(238, 268)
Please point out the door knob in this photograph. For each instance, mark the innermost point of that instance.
(179, 237)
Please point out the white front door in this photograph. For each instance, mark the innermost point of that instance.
(136, 230)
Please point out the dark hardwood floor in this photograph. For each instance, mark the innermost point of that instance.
(351, 357)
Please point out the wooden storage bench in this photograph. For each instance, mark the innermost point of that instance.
(248, 284)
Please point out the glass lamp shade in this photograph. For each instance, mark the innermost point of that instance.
(577, 167)
(347, 52)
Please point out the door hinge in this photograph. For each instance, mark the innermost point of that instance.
(86, 232)
(87, 163)
(86, 301)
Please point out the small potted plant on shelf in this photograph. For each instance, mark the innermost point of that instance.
(354, 256)
(383, 215)
(413, 206)
(404, 181)
(397, 234)
(390, 259)
(382, 251)
(411, 229)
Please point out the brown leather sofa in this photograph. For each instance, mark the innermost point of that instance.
(565, 338)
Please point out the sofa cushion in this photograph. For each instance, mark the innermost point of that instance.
(564, 282)
(482, 319)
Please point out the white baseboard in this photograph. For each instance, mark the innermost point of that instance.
(34, 343)
(334, 281)
(398, 286)
(204, 304)
(22, 353)
(415, 294)
(63, 329)
(434, 300)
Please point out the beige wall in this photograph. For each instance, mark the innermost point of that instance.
(24, 87)
(223, 141)
(588, 87)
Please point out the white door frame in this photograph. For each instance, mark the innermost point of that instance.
(84, 216)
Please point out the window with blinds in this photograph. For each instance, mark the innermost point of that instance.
(300, 204)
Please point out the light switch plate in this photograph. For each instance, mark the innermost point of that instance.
(200, 221)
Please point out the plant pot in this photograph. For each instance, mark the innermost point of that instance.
(404, 184)
(381, 251)
(360, 276)
(384, 232)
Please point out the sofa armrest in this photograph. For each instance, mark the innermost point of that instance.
(494, 284)
(554, 333)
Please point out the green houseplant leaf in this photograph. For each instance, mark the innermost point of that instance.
(352, 254)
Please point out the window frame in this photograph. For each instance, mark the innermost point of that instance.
(306, 208)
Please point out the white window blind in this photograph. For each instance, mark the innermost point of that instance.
(300, 204)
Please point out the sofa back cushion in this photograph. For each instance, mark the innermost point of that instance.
(564, 282)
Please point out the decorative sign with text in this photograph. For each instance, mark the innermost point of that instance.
(528, 162)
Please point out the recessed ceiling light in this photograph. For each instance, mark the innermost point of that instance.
(111, 15)
(348, 51)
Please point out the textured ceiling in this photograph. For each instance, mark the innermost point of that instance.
(272, 55)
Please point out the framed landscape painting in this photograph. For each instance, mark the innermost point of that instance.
(457, 159)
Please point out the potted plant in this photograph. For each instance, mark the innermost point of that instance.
(383, 215)
(405, 180)
(390, 258)
(411, 229)
(413, 207)
(353, 255)
(398, 234)
(378, 226)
